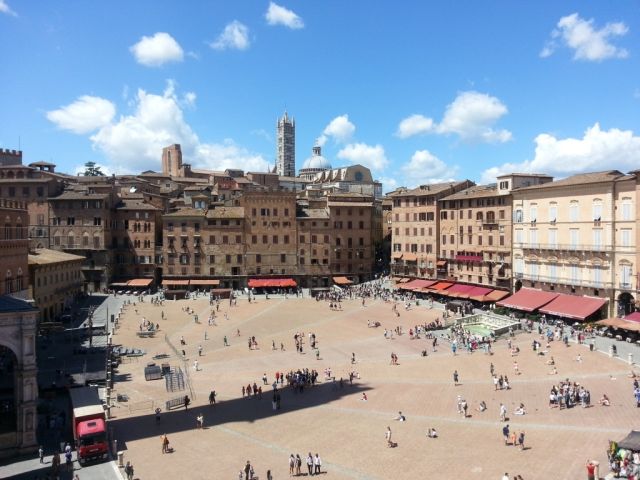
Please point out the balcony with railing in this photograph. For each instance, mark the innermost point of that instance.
(574, 282)
(568, 247)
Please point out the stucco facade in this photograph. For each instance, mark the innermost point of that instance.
(578, 235)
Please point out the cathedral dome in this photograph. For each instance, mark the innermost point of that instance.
(316, 162)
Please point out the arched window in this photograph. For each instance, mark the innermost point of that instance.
(517, 215)
(19, 280)
(7, 283)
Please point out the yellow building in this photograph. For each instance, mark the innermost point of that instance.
(578, 236)
(56, 279)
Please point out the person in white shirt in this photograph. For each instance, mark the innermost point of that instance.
(317, 463)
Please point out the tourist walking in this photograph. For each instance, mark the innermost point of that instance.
(388, 437)
(310, 463)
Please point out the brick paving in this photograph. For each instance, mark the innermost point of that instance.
(347, 432)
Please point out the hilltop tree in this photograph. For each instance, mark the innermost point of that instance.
(92, 170)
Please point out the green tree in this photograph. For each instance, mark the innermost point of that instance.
(91, 170)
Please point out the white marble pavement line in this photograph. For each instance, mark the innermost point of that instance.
(326, 465)
(474, 423)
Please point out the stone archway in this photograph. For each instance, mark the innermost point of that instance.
(626, 304)
(517, 286)
(18, 346)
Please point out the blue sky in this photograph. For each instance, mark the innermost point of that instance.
(417, 91)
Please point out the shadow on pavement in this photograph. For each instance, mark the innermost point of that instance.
(235, 410)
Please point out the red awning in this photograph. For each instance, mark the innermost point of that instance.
(205, 282)
(440, 286)
(459, 290)
(272, 282)
(573, 306)
(139, 282)
(634, 317)
(492, 296)
(527, 299)
(478, 293)
(620, 323)
(417, 283)
(175, 282)
(342, 281)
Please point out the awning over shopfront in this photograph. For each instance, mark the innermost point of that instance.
(204, 282)
(492, 296)
(441, 263)
(478, 293)
(527, 299)
(175, 283)
(410, 257)
(620, 323)
(118, 284)
(272, 282)
(342, 281)
(458, 290)
(573, 306)
(396, 255)
(404, 280)
(417, 283)
(440, 286)
(634, 317)
(140, 282)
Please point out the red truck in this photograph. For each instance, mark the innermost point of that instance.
(89, 424)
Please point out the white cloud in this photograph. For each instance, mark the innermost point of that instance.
(189, 99)
(415, 125)
(220, 156)
(372, 157)
(5, 8)
(597, 150)
(587, 42)
(277, 15)
(388, 184)
(424, 167)
(133, 143)
(234, 36)
(471, 116)
(157, 50)
(84, 115)
(340, 129)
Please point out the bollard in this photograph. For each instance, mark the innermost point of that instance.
(115, 445)
(630, 359)
(121, 459)
(611, 351)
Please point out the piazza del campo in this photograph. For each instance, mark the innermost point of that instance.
(446, 294)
